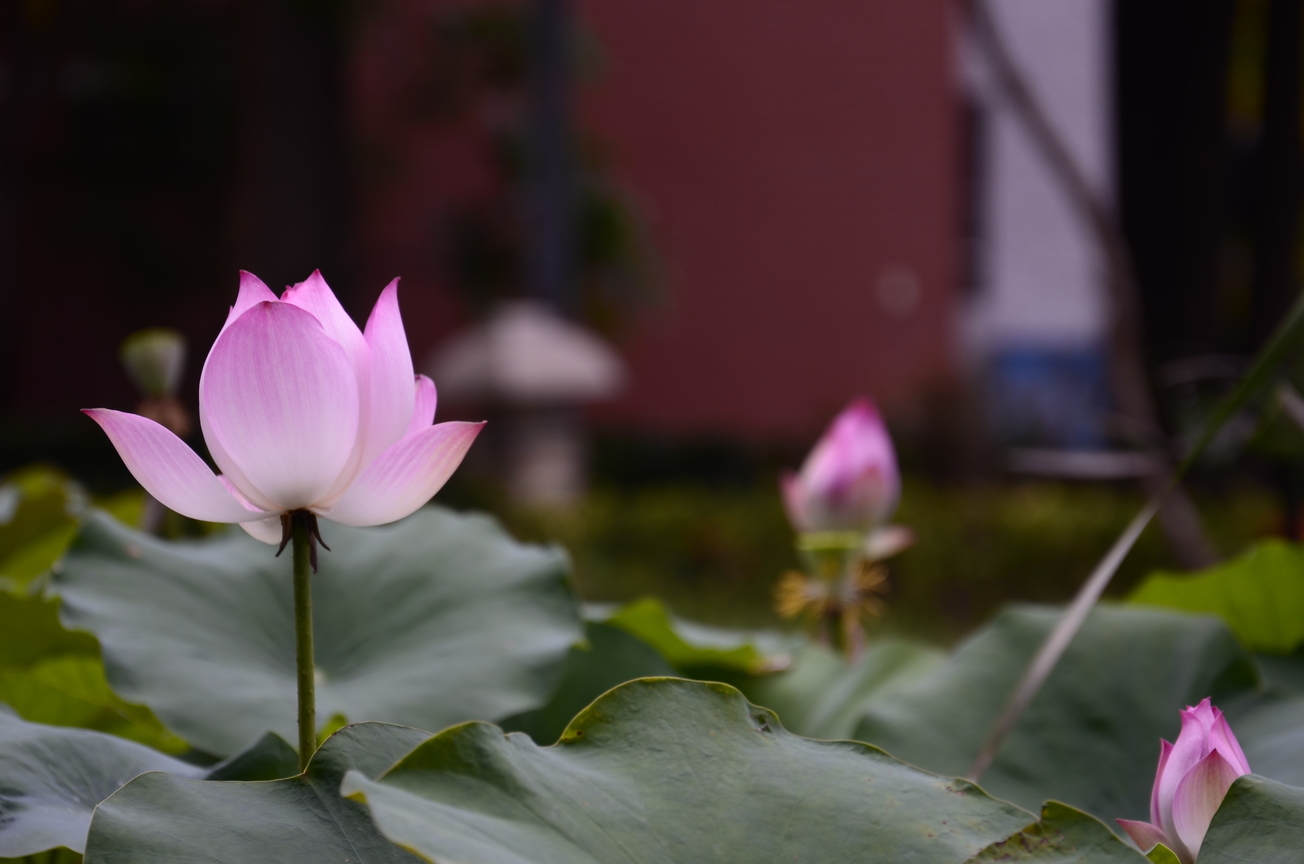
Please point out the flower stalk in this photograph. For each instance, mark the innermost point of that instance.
(839, 504)
(302, 534)
(844, 588)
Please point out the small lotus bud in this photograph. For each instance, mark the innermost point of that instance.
(1193, 778)
(849, 482)
(154, 359)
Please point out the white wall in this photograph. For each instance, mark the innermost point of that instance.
(1039, 281)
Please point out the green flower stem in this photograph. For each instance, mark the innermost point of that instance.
(304, 665)
(836, 559)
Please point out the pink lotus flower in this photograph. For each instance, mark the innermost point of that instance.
(849, 482)
(301, 410)
(1193, 777)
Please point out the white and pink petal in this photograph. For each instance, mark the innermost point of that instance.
(405, 476)
(1199, 795)
(1222, 739)
(232, 477)
(168, 469)
(1156, 814)
(281, 399)
(794, 501)
(317, 298)
(392, 396)
(252, 292)
(423, 411)
(267, 530)
(314, 296)
(1144, 835)
(1190, 747)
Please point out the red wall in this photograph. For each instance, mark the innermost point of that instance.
(787, 151)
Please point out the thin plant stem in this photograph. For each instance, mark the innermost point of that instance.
(304, 666)
(1287, 338)
(1048, 656)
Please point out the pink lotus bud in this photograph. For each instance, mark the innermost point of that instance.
(301, 410)
(849, 482)
(1193, 778)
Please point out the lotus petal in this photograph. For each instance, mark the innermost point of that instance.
(1198, 797)
(1143, 834)
(267, 530)
(316, 297)
(850, 480)
(168, 469)
(405, 476)
(392, 395)
(252, 292)
(280, 399)
(1222, 740)
(1155, 813)
(1191, 746)
(423, 412)
(794, 502)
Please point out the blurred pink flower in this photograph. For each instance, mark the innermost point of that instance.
(849, 482)
(1193, 777)
(301, 410)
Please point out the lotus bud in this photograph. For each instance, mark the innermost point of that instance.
(849, 482)
(303, 412)
(154, 359)
(1193, 778)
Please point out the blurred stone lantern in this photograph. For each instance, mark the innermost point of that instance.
(533, 370)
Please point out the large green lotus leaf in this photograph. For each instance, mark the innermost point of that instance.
(819, 696)
(51, 675)
(666, 770)
(38, 517)
(1260, 821)
(162, 818)
(608, 657)
(1260, 595)
(431, 621)
(30, 632)
(269, 758)
(1091, 737)
(822, 696)
(1161, 854)
(39, 513)
(692, 647)
(53, 856)
(1270, 728)
(1064, 835)
(51, 778)
(72, 691)
(796, 693)
(1285, 672)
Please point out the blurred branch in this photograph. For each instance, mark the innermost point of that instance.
(1048, 656)
(1178, 516)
